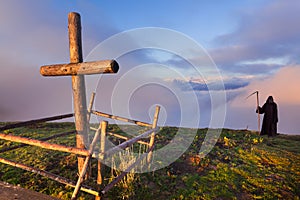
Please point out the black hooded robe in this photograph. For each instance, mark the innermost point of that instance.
(269, 125)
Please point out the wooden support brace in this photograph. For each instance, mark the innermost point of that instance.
(154, 125)
(101, 114)
(126, 138)
(129, 142)
(48, 175)
(86, 164)
(122, 137)
(92, 98)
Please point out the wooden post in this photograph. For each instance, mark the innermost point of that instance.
(154, 125)
(104, 125)
(78, 84)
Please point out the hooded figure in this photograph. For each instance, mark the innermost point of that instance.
(269, 125)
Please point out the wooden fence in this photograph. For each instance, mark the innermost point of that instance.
(99, 138)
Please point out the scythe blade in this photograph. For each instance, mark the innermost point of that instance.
(251, 94)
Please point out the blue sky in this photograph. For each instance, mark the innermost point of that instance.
(254, 44)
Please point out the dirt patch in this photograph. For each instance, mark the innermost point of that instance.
(11, 192)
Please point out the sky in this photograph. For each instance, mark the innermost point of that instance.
(198, 60)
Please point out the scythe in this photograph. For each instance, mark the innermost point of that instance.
(257, 105)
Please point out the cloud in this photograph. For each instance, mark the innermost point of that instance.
(201, 85)
(284, 87)
(264, 34)
(275, 23)
(32, 35)
(31, 39)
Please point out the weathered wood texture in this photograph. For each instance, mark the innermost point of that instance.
(41, 139)
(45, 145)
(74, 27)
(129, 142)
(78, 84)
(154, 125)
(48, 175)
(86, 164)
(126, 138)
(100, 167)
(121, 136)
(92, 98)
(84, 68)
(30, 122)
(101, 114)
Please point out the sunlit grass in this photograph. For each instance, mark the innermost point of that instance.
(242, 165)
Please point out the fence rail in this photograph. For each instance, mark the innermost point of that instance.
(35, 121)
(44, 145)
(101, 114)
(103, 153)
(41, 139)
(48, 175)
(128, 143)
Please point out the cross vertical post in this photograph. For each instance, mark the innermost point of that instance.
(78, 85)
(77, 69)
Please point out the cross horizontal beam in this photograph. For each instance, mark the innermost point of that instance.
(83, 68)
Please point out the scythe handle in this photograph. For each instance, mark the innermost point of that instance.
(258, 116)
(257, 100)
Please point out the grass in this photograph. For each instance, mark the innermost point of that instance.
(241, 165)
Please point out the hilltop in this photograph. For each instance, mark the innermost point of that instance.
(242, 165)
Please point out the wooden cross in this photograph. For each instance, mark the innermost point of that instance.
(77, 69)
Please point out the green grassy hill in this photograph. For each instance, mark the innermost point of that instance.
(241, 165)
